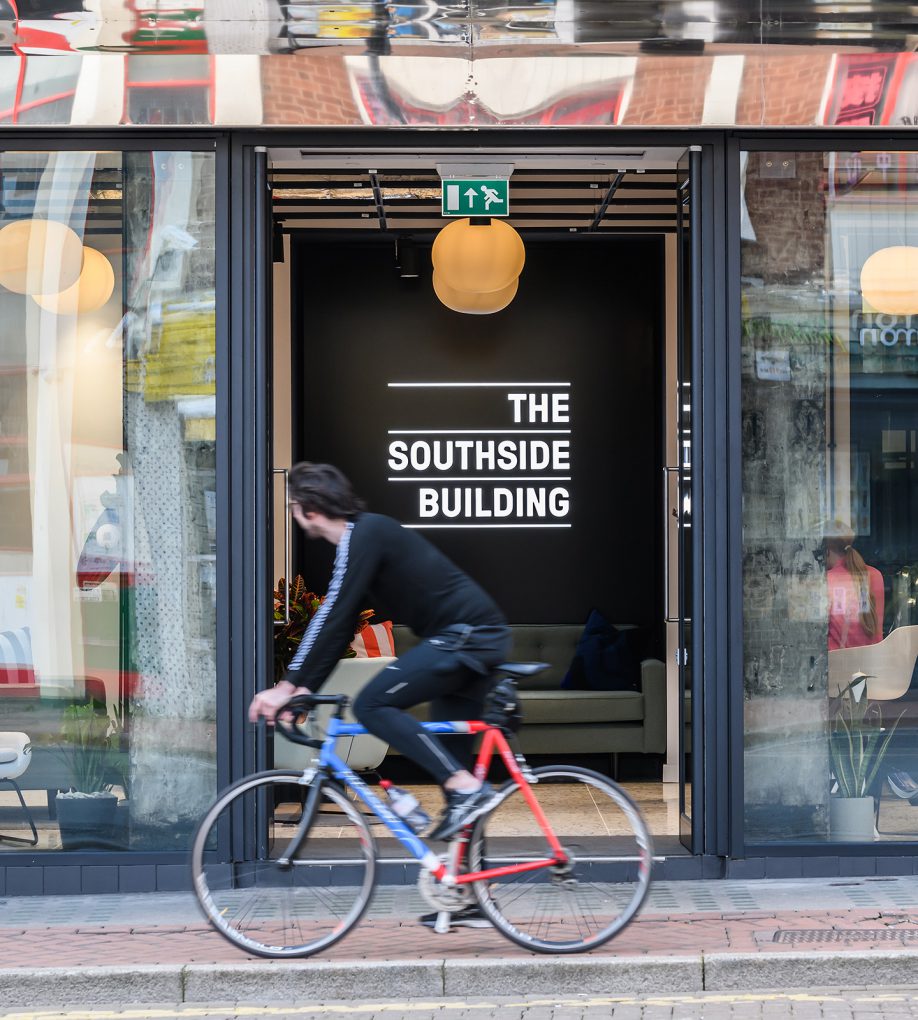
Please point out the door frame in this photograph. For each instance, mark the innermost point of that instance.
(252, 661)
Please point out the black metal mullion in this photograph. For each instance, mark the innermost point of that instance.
(380, 202)
(731, 795)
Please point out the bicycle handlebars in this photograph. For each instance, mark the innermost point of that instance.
(309, 701)
(302, 704)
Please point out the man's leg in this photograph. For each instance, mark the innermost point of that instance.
(467, 703)
(423, 674)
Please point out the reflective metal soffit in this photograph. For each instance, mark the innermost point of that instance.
(473, 63)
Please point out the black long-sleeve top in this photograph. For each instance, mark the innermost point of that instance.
(381, 564)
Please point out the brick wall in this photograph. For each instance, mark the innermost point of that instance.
(668, 90)
(310, 89)
(788, 216)
(783, 87)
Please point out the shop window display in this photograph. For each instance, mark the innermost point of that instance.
(830, 480)
(108, 496)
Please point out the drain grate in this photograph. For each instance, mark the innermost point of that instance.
(846, 935)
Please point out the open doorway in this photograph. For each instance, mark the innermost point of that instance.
(540, 447)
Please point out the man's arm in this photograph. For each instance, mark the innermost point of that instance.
(268, 703)
(331, 630)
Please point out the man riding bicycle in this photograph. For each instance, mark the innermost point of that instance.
(381, 563)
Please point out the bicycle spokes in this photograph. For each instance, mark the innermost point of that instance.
(574, 903)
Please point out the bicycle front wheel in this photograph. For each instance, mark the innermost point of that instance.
(577, 906)
(263, 903)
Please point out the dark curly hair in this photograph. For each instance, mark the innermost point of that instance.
(323, 489)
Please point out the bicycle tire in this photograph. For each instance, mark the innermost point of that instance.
(277, 911)
(536, 909)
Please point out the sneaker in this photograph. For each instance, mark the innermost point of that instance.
(467, 917)
(461, 808)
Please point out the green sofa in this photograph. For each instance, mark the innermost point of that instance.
(560, 722)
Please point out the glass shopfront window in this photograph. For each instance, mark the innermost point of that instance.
(830, 495)
(107, 498)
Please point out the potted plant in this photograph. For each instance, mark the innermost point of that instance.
(857, 746)
(304, 605)
(86, 811)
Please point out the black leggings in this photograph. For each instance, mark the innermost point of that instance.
(426, 673)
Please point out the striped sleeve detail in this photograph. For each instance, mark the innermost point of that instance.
(315, 624)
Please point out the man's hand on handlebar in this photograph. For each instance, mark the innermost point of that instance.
(268, 703)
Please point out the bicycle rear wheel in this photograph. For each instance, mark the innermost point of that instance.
(284, 910)
(577, 906)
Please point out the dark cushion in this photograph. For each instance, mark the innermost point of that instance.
(606, 658)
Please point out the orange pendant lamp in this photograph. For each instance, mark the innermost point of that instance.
(471, 303)
(92, 289)
(478, 258)
(36, 253)
(889, 280)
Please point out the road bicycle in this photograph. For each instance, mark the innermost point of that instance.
(306, 870)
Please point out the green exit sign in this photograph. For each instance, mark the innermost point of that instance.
(475, 197)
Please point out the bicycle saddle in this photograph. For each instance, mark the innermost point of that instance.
(522, 668)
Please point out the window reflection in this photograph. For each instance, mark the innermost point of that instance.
(107, 496)
(830, 395)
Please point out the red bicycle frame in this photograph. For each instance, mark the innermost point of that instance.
(492, 740)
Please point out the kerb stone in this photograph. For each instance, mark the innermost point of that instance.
(43, 987)
(570, 976)
(762, 971)
(299, 980)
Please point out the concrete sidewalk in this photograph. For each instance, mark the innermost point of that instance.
(692, 936)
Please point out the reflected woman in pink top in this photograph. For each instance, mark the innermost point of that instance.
(856, 597)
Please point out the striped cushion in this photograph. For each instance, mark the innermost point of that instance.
(374, 641)
(16, 657)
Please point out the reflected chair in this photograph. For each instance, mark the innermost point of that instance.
(888, 666)
(15, 758)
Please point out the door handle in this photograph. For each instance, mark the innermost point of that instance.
(286, 474)
(667, 471)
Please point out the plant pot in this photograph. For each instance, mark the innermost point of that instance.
(86, 820)
(851, 819)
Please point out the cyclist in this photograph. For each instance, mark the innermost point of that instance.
(380, 563)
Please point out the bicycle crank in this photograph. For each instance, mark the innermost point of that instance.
(444, 897)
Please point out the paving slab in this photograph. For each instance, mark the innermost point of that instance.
(692, 936)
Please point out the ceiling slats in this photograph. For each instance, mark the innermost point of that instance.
(395, 201)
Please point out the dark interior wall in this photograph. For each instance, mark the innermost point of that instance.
(589, 312)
